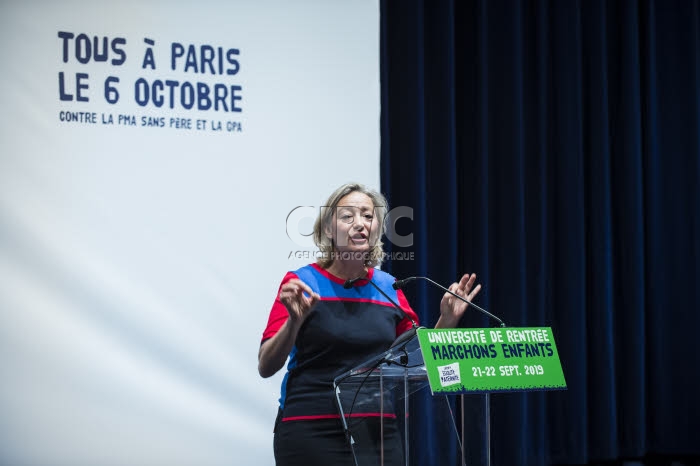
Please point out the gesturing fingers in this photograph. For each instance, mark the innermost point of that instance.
(298, 298)
(467, 288)
(467, 282)
(296, 287)
(464, 288)
(472, 294)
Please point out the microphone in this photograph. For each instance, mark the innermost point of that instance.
(350, 283)
(398, 284)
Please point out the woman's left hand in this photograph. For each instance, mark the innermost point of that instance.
(451, 308)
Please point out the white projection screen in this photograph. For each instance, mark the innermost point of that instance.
(151, 155)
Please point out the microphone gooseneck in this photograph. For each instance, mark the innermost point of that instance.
(398, 284)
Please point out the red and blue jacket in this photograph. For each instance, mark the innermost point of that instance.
(345, 328)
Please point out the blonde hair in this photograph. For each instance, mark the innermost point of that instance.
(325, 219)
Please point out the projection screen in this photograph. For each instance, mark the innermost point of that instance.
(160, 166)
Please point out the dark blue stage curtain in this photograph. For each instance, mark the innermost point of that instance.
(553, 148)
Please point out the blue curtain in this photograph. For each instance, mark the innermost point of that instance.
(553, 148)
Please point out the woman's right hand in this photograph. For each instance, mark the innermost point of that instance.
(299, 299)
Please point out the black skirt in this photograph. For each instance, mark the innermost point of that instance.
(324, 442)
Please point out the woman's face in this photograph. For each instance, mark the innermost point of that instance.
(354, 227)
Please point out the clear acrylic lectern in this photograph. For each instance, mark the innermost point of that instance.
(382, 386)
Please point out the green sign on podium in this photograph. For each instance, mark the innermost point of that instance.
(474, 360)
